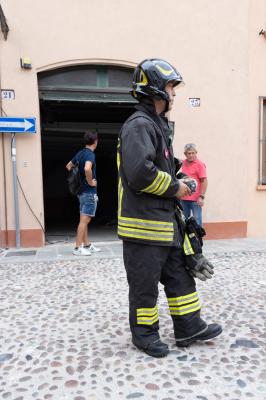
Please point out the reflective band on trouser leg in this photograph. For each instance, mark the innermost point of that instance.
(184, 304)
(188, 250)
(147, 316)
(160, 184)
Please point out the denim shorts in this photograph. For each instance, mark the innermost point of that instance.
(88, 204)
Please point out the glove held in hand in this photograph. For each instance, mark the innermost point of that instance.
(199, 267)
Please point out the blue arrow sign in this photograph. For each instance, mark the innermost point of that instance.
(17, 125)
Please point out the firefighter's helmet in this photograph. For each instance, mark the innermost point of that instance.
(151, 77)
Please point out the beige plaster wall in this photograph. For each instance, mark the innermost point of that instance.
(207, 40)
(257, 87)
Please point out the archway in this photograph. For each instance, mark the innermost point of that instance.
(73, 99)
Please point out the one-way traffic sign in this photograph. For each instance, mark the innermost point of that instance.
(17, 125)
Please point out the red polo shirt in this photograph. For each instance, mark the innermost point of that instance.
(196, 170)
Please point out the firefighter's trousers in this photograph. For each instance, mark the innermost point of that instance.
(146, 266)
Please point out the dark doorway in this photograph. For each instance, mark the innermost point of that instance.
(63, 122)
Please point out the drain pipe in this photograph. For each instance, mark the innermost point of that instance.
(5, 244)
(4, 184)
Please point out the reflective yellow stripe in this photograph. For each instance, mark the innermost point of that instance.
(155, 228)
(183, 299)
(148, 222)
(166, 72)
(184, 304)
(185, 310)
(134, 223)
(157, 181)
(162, 175)
(144, 234)
(145, 229)
(160, 184)
(144, 80)
(147, 311)
(118, 155)
(147, 316)
(187, 246)
(120, 187)
(147, 321)
(164, 186)
(120, 195)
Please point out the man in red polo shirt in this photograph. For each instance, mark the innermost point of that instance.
(195, 169)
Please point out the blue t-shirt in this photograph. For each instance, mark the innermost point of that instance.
(81, 157)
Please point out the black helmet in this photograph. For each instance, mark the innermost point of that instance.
(151, 77)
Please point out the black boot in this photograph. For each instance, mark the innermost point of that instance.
(154, 348)
(210, 332)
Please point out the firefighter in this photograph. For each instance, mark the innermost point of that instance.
(155, 244)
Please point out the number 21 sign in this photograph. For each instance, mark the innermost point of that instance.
(7, 94)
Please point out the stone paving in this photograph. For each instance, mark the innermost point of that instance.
(64, 331)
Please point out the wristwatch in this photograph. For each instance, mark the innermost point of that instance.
(202, 196)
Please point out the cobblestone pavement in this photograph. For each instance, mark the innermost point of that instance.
(64, 333)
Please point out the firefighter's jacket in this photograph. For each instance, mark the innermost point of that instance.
(147, 182)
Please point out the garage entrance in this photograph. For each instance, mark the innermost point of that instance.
(73, 100)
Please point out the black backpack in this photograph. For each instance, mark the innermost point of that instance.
(74, 180)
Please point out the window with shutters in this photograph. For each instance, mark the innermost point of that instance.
(262, 142)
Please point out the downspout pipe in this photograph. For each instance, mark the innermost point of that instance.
(5, 30)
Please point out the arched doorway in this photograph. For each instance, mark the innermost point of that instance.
(74, 99)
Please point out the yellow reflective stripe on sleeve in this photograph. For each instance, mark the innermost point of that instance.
(157, 181)
(160, 184)
(162, 176)
(164, 186)
(188, 250)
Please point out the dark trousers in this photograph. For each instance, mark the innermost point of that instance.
(146, 266)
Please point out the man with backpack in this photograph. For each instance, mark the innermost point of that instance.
(87, 193)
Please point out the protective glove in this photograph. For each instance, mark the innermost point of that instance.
(199, 267)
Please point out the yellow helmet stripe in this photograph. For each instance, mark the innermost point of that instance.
(166, 72)
(144, 80)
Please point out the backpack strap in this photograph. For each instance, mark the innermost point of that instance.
(83, 159)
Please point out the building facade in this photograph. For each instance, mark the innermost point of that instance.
(69, 65)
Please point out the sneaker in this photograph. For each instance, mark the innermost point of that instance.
(81, 251)
(92, 248)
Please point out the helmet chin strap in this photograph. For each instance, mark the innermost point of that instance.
(162, 96)
(166, 106)
(167, 102)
